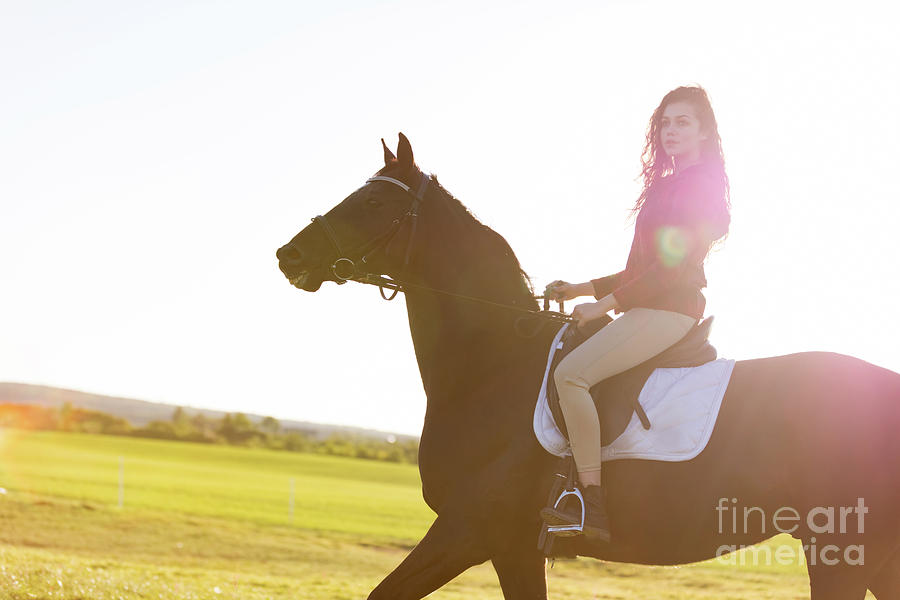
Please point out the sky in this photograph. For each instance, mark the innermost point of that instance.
(153, 156)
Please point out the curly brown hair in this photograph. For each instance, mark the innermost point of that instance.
(657, 164)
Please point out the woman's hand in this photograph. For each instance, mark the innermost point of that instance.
(590, 311)
(557, 290)
(561, 291)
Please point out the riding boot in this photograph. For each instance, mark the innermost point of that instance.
(596, 521)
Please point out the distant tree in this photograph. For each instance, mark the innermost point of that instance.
(270, 425)
(238, 429)
(232, 428)
(182, 425)
(297, 442)
(92, 421)
(204, 425)
(21, 416)
(157, 429)
(179, 416)
(65, 416)
(242, 422)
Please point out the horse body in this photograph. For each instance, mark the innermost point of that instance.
(786, 437)
(799, 431)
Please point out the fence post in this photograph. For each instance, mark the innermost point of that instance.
(291, 503)
(121, 481)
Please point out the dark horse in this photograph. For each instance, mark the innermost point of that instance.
(809, 442)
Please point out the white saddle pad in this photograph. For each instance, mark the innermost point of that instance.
(681, 403)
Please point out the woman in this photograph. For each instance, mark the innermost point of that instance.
(683, 208)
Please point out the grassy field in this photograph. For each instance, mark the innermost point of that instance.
(216, 522)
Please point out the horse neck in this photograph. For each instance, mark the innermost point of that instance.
(460, 343)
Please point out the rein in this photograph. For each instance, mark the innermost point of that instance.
(354, 274)
(397, 285)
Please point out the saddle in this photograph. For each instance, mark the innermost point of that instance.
(616, 398)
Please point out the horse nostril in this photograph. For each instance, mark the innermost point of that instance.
(288, 253)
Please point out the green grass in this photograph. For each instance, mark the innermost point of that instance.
(213, 522)
(250, 485)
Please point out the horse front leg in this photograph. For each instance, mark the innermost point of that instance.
(522, 573)
(450, 547)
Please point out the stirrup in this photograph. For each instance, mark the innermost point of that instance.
(574, 528)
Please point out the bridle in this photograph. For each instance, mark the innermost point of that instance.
(383, 239)
(380, 240)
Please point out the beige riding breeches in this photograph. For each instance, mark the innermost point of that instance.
(632, 338)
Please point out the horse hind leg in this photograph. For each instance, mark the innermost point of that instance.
(449, 548)
(834, 581)
(835, 585)
(886, 582)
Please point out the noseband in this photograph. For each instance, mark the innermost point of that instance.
(381, 240)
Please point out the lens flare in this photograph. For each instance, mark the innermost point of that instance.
(671, 245)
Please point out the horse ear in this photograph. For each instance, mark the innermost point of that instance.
(388, 155)
(404, 152)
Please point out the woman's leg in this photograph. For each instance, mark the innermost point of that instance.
(629, 340)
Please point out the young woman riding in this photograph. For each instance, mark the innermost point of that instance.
(684, 207)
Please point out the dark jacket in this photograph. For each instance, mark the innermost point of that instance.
(681, 216)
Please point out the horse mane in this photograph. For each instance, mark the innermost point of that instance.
(480, 236)
(495, 248)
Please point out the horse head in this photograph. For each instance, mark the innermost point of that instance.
(370, 231)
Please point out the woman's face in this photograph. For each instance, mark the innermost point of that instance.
(679, 132)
